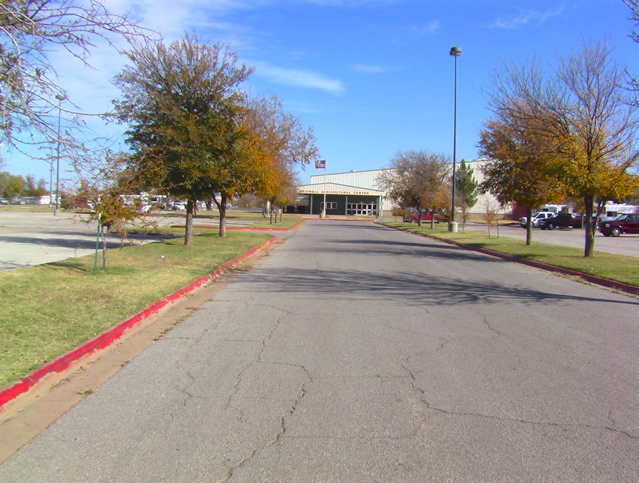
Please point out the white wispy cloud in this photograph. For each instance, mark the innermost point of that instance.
(299, 78)
(430, 28)
(526, 17)
(171, 18)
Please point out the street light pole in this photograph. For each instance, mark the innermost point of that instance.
(454, 52)
(60, 98)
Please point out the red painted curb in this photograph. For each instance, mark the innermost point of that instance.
(341, 219)
(233, 228)
(107, 338)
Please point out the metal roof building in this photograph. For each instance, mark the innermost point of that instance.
(361, 181)
(364, 179)
(342, 199)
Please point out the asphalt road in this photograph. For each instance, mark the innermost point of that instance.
(355, 352)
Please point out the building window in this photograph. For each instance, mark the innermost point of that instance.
(330, 205)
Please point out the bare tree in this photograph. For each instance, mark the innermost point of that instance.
(418, 179)
(109, 187)
(633, 5)
(29, 82)
(491, 214)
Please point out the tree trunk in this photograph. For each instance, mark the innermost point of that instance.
(529, 226)
(188, 229)
(222, 209)
(589, 229)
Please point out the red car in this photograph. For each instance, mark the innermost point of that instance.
(622, 224)
(561, 220)
(426, 215)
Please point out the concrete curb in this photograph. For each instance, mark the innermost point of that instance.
(109, 337)
(604, 282)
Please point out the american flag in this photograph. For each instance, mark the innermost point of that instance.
(320, 164)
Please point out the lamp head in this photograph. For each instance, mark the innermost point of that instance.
(60, 97)
(455, 51)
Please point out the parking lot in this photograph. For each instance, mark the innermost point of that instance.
(28, 238)
(570, 237)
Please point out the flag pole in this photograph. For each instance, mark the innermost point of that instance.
(323, 215)
(321, 163)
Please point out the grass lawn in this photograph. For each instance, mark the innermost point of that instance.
(55, 307)
(614, 267)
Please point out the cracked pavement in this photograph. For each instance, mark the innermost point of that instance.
(359, 353)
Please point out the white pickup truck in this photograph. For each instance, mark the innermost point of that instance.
(536, 218)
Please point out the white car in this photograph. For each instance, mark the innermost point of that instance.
(536, 218)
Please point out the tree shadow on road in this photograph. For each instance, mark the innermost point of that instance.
(410, 288)
(428, 248)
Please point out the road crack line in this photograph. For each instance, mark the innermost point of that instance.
(257, 359)
(429, 406)
(282, 424)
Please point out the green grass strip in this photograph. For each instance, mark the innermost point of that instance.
(234, 219)
(50, 309)
(607, 265)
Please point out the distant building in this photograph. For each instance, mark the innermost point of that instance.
(342, 199)
(359, 193)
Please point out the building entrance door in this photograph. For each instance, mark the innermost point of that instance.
(365, 209)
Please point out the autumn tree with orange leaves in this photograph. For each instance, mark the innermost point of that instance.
(282, 144)
(582, 123)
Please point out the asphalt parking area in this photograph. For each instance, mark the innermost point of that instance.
(627, 245)
(28, 239)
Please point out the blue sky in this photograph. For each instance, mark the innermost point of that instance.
(371, 77)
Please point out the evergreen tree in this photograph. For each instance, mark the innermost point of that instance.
(466, 190)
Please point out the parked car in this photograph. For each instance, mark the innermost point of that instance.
(622, 224)
(560, 220)
(426, 215)
(536, 218)
(178, 206)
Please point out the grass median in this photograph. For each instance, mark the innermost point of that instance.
(607, 265)
(234, 219)
(50, 309)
